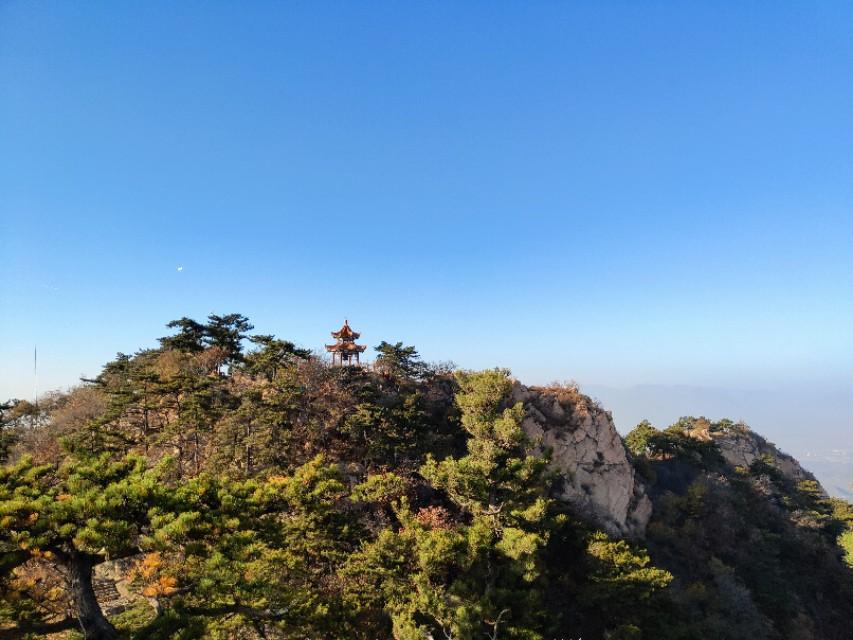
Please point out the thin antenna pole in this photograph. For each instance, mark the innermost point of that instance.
(36, 375)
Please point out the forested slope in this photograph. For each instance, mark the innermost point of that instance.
(231, 485)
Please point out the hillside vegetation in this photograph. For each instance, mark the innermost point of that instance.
(232, 485)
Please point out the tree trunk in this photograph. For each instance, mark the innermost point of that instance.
(92, 621)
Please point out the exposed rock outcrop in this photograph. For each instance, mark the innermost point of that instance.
(599, 480)
(740, 447)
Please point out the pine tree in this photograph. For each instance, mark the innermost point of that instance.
(478, 573)
(239, 555)
(398, 360)
(76, 516)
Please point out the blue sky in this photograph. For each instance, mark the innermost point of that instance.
(617, 193)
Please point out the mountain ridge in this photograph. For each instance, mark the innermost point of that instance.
(224, 491)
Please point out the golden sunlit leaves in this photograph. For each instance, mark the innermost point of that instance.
(148, 569)
(39, 582)
(163, 586)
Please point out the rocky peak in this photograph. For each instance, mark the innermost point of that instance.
(598, 479)
(741, 446)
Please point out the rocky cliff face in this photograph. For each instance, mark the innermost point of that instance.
(599, 480)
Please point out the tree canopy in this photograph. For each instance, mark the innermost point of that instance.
(234, 485)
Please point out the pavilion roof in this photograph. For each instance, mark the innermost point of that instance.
(346, 332)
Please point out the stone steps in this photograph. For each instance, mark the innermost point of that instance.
(109, 598)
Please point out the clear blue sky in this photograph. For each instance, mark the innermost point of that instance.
(621, 193)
